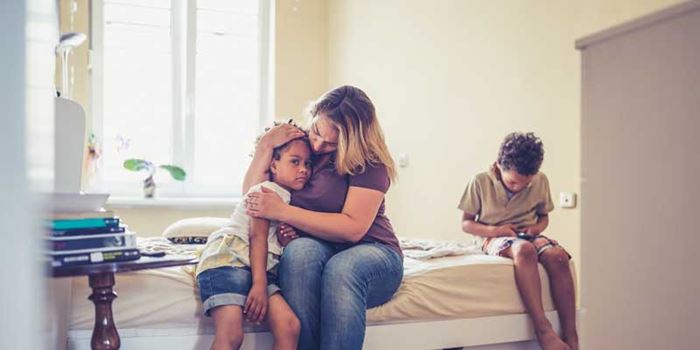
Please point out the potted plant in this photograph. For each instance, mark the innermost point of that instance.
(149, 185)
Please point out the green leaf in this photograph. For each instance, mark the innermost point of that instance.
(175, 171)
(137, 164)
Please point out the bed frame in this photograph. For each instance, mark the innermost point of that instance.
(509, 332)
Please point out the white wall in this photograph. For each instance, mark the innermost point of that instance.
(451, 78)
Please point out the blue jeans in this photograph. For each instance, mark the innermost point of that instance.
(330, 289)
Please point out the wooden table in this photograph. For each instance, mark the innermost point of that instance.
(101, 277)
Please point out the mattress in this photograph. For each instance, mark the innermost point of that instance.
(449, 287)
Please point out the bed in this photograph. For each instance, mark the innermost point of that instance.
(451, 296)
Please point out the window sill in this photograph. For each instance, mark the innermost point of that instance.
(173, 202)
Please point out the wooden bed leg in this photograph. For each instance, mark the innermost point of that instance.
(104, 334)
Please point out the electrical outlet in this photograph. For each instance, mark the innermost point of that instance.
(567, 200)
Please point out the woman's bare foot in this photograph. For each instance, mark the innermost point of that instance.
(549, 340)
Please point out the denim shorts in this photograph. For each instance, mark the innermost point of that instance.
(229, 286)
(496, 245)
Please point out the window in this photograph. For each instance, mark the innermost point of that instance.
(179, 82)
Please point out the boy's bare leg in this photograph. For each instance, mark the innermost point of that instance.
(527, 278)
(556, 262)
(228, 320)
(284, 324)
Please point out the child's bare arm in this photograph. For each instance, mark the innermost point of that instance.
(539, 227)
(479, 229)
(256, 303)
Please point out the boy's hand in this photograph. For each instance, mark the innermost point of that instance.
(256, 304)
(508, 230)
(286, 233)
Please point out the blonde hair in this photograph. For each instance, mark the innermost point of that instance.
(360, 138)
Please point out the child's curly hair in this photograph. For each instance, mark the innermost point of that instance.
(522, 152)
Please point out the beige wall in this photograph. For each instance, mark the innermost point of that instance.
(300, 55)
(451, 78)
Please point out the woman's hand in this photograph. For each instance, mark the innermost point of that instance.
(265, 204)
(279, 135)
(286, 234)
(256, 304)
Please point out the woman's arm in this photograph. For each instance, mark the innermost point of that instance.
(275, 137)
(479, 229)
(350, 225)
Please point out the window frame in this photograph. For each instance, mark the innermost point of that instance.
(183, 43)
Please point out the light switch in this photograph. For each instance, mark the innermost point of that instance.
(403, 160)
(567, 200)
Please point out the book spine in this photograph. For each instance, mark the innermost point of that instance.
(94, 242)
(84, 223)
(83, 215)
(95, 257)
(88, 231)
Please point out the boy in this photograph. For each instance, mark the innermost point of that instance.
(507, 209)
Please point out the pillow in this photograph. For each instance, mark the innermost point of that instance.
(193, 230)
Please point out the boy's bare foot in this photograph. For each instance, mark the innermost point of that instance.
(572, 341)
(549, 340)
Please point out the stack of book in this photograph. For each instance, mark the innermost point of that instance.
(89, 237)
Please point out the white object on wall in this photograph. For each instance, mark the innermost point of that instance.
(69, 145)
(403, 160)
(567, 200)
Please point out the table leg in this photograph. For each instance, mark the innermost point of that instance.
(104, 334)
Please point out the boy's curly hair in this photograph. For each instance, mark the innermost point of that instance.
(522, 152)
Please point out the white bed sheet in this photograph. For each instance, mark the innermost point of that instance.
(466, 286)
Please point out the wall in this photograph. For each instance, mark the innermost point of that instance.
(300, 55)
(450, 81)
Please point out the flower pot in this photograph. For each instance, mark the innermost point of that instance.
(149, 187)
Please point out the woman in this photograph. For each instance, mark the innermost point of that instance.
(348, 258)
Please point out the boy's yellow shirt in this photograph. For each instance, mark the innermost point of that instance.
(486, 198)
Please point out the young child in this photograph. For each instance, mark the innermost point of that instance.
(235, 273)
(513, 198)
